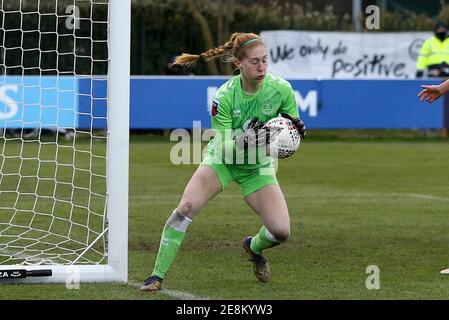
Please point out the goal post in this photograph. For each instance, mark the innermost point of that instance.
(118, 141)
(64, 172)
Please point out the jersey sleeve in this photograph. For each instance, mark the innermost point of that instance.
(289, 105)
(221, 115)
(222, 127)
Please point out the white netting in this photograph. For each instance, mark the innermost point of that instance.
(52, 131)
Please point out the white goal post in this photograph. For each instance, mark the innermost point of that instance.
(64, 171)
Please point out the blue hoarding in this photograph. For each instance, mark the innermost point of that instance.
(327, 104)
(176, 102)
(92, 103)
(38, 102)
(374, 104)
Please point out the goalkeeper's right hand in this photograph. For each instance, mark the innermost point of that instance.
(298, 123)
(256, 135)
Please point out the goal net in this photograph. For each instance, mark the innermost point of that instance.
(64, 104)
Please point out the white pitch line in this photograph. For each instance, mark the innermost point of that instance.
(182, 295)
(173, 293)
(424, 196)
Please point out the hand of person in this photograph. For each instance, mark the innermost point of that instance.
(430, 93)
(298, 123)
(256, 135)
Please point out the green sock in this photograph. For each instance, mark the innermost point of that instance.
(263, 240)
(172, 236)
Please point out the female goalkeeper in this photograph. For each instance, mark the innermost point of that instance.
(241, 107)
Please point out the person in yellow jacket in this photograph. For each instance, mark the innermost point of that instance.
(433, 59)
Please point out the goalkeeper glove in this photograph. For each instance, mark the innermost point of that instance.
(256, 135)
(298, 123)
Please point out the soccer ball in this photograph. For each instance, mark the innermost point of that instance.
(287, 141)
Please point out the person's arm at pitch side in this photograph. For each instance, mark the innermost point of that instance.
(430, 93)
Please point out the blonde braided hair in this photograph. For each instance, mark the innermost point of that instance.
(233, 49)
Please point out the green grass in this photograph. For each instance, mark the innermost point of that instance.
(352, 204)
(52, 193)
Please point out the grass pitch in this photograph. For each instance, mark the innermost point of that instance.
(352, 205)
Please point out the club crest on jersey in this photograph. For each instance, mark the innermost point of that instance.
(267, 107)
(236, 113)
(214, 108)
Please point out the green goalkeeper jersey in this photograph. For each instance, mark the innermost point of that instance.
(232, 110)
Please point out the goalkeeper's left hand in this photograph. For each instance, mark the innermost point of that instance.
(256, 135)
(298, 123)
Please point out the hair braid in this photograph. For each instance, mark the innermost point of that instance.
(227, 52)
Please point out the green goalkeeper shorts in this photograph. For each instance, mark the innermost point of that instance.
(249, 179)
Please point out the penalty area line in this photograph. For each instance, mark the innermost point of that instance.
(182, 295)
(424, 196)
